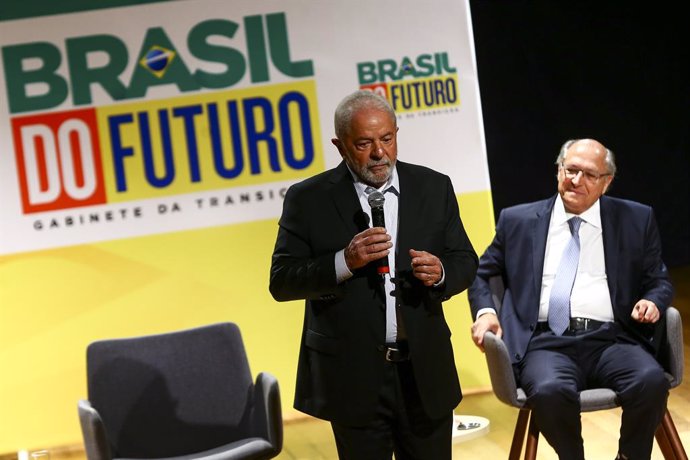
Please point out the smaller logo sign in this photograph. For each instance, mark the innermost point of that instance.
(425, 83)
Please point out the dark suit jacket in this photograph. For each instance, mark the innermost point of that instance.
(341, 360)
(632, 253)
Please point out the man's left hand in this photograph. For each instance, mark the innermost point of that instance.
(426, 267)
(645, 311)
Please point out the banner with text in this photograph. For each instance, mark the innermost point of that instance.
(177, 115)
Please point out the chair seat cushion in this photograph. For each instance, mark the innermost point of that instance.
(598, 399)
(243, 449)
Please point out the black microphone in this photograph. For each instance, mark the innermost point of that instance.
(376, 200)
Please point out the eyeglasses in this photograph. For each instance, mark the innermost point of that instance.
(571, 172)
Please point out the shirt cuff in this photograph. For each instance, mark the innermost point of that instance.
(485, 310)
(342, 273)
(443, 276)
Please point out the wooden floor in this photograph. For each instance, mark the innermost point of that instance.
(312, 439)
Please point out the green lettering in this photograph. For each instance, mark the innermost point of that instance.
(406, 68)
(19, 79)
(280, 49)
(387, 68)
(445, 65)
(366, 72)
(233, 60)
(174, 72)
(425, 65)
(82, 76)
(256, 49)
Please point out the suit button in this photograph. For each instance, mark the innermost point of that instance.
(381, 348)
(531, 327)
(517, 356)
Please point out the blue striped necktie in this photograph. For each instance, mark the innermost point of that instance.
(559, 300)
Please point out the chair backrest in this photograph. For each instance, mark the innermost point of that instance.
(674, 356)
(501, 371)
(171, 394)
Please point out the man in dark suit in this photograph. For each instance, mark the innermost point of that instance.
(375, 357)
(620, 290)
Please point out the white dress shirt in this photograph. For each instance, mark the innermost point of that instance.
(590, 297)
(390, 212)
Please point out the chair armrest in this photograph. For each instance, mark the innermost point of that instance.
(674, 344)
(269, 415)
(501, 371)
(95, 438)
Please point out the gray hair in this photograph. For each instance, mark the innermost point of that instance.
(610, 157)
(351, 104)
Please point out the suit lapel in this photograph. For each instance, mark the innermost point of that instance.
(355, 220)
(610, 229)
(346, 201)
(541, 223)
(408, 202)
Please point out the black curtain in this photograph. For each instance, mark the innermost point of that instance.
(615, 71)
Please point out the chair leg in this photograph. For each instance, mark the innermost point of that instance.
(519, 434)
(532, 440)
(664, 443)
(669, 441)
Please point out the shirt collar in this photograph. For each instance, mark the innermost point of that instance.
(393, 183)
(592, 215)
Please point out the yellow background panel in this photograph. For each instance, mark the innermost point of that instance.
(54, 303)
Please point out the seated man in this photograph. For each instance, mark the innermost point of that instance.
(585, 285)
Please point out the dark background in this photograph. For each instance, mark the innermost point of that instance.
(614, 71)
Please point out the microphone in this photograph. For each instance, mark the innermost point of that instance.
(376, 200)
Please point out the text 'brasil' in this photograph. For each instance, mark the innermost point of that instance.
(426, 82)
(199, 140)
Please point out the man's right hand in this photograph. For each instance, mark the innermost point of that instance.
(369, 245)
(486, 322)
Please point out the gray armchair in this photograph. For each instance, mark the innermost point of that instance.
(507, 390)
(183, 395)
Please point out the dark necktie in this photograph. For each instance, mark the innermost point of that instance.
(559, 300)
(401, 333)
(370, 189)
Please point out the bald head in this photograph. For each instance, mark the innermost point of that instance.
(585, 171)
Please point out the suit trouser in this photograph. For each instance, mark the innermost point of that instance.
(400, 425)
(556, 368)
